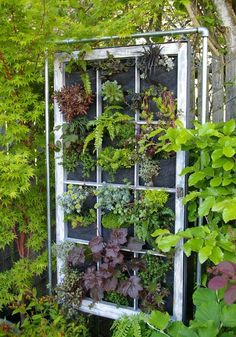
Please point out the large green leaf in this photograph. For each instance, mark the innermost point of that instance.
(194, 178)
(206, 205)
(204, 295)
(204, 253)
(208, 312)
(229, 127)
(159, 319)
(228, 151)
(228, 316)
(192, 245)
(217, 255)
(227, 207)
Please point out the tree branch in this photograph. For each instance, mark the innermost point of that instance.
(228, 18)
(196, 23)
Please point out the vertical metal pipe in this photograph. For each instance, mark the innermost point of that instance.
(204, 78)
(204, 93)
(47, 134)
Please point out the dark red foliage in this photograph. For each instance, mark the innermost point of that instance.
(96, 245)
(130, 287)
(76, 257)
(224, 277)
(119, 236)
(73, 101)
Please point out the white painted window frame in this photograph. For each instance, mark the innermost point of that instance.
(180, 50)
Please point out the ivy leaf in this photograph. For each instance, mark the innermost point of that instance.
(206, 205)
(159, 319)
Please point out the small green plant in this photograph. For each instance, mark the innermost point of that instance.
(72, 202)
(43, 317)
(112, 92)
(111, 159)
(148, 170)
(116, 298)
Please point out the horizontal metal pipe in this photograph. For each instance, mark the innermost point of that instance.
(200, 30)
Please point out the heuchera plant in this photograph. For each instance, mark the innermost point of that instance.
(224, 277)
(113, 274)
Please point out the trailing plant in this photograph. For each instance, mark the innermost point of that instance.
(73, 101)
(73, 201)
(112, 92)
(111, 121)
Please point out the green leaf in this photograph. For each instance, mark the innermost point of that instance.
(227, 207)
(228, 316)
(192, 245)
(228, 165)
(167, 242)
(217, 154)
(204, 295)
(205, 158)
(159, 319)
(160, 231)
(216, 181)
(194, 178)
(229, 127)
(204, 253)
(228, 151)
(190, 196)
(217, 255)
(206, 205)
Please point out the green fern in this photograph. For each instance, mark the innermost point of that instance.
(109, 121)
(131, 326)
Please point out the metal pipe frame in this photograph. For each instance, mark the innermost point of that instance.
(199, 30)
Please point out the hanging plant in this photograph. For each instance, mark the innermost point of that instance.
(73, 101)
(148, 170)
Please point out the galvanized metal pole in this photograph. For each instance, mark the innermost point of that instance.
(204, 93)
(47, 135)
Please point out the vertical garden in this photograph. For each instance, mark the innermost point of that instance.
(117, 144)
